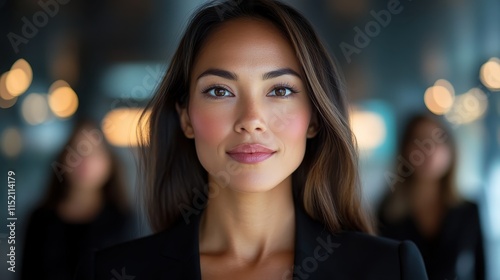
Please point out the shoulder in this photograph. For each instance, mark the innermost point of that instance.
(150, 256)
(321, 254)
(133, 248)
(42, 217)
(466, 207)
(363, 256)
(128, 258)
(379, 248)
(464, 215)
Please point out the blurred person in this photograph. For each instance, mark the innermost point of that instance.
(425, 206)
(85, 208)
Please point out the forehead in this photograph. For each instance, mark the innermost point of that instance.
(424, 127)
(246, 43)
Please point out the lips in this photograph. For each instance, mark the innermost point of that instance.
(250, 153)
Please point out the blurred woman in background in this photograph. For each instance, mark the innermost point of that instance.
(425, 207)
(84, 209)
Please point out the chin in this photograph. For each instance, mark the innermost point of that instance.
(254, 183)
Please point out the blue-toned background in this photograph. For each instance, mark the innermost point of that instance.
(108, 56)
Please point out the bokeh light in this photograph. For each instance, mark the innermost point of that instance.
(4, 93)
(439, 98)
(369, 129)
(12, 142)
(120, 126)
(35, 109)
(6, 99)
(4, 104)
(444, 83)
(63, 100)
(57, 84)
(19, 77)
(468, 107)
(490, 74)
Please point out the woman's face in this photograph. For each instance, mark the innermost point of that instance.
(249, 112)
(90, 163)
(434, 153)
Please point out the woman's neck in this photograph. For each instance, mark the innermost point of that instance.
(249, 226)
(81, 205)
(427, 207)
(426, 191)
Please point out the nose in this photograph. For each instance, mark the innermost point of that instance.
(250, 117)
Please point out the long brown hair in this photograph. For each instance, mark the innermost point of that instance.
(326, 181)
(395, 205)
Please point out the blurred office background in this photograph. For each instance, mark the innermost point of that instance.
(66, 59)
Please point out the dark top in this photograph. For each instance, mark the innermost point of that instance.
(54, 247)
(174, 254)
(457, 250)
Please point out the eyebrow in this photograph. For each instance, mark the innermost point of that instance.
(219, 72)
(280, 72)
(232, 76)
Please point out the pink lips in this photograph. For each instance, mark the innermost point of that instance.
(250, 153)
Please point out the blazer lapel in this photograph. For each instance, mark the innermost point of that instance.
(314, 247)
(181, 249)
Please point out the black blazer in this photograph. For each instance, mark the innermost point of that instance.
(456, 252)
(174, 254)
(53, 247)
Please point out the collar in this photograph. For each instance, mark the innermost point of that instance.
(313, 241)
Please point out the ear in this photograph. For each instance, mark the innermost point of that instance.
(186, 126)
(313, 128)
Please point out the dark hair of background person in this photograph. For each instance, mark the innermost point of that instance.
(326, 181)
(395, 206)
(114, 190)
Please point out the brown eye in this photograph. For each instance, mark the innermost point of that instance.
(280, 91)
(219, 92)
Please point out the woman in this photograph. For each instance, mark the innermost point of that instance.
(425, 206)
(84, 208)
(249, 164)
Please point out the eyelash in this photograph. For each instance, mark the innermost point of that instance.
(209, 88)
(285, 85)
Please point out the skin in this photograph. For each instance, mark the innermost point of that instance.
(247, 229)
(86, 180)
(426, 184)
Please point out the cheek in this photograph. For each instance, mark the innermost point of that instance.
(99, 166)
(209, 125)
(291, 125)
(441, 159)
